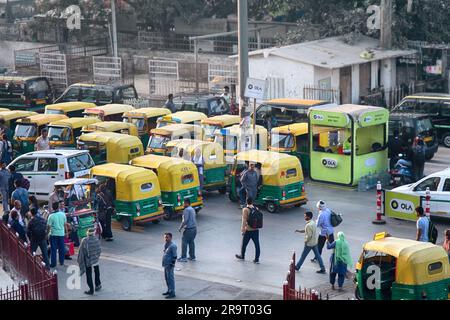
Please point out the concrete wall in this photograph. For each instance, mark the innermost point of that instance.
(324, 73)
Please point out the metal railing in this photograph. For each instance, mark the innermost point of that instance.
(314, 93)
(39, 283)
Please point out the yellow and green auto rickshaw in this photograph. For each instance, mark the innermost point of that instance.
(159, 137)
(4, 109)
(63, 134)
(136, 191)
(111, 147)
(215, 124)
(145, 120)
(10, 119)
(29, 129)
(112, 126)
(188, 117)
(70, 109)
(401, 269)
(231, 140)
(282, 182)
(178, 179)
(292, 139)
(108, 112)
(215, 167)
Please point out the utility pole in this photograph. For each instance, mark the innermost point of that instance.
(114, 27)
(243, 67)
(386, 24)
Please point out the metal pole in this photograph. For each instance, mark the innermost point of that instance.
(114, 27)
(386, 24)
(254, 125)
(196, 65)
(243, 58)
(258, 38)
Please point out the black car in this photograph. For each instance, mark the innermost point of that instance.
(434, 105)
(209, 105)
(415, 125)
(99, 94)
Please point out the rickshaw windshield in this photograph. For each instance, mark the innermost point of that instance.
(158, 141)
(138, 122)
(26, 131)
(282, 140)
(60, 133)
(163, 123)
(78, 196)
(230, 143)
(210, 129)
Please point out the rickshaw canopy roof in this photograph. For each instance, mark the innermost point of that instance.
(16, 114)
(76, 122)
(296, 129)
(294, 102)
(236, 130)
(129, 180)
(77, 181)
(413, 259)
(112, 139)
(174, 129)
(184, 116)
(108, 126)
(212, 151)
(223, 120)
(4, 109)
(42, 119)
(109, 109)
(149, 112)
(70, 106)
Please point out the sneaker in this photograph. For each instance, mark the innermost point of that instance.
(109, 239)
(89, 292)
(238, 256)
(98, 288)
(256, 261)
(68, 258)
(170, 296)
(297, 269)
(182, 260)
(314, 260)
(166, 293)
(322, 271)
(192, 259)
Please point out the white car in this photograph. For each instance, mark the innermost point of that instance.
(439, 184)
(44, 168)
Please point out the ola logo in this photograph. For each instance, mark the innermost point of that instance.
(394, 204)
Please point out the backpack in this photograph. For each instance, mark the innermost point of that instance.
(432, 232)
(25, 183)
(335, 218)
(39, 229)
(255, 218)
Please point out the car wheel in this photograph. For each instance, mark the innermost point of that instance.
(271, 207)
(126, 223)
(446, 140)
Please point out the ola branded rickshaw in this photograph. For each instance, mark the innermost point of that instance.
(111, 147)
(112, 126)
(29, 129)
(63, 134)
(108, 112)
(292, 139)
(188, 117)
(282, 182)
(231, 140)
(178, 179)
(159, 137)
(214, 176)
(392, 268)
(70, 109)
(136, 191)
(145, 120)
(214, 124)
(10, 118)
(347, 142)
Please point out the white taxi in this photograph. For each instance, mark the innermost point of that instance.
(44, 168)
(439, 184)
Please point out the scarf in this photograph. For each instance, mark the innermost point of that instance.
(342, 251)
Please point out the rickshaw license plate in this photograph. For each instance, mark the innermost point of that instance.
(428, 139)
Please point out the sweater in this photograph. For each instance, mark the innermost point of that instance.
(89, 253)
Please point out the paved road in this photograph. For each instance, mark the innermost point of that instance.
(439, 162)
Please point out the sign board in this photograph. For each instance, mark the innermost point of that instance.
(400, 205)
(255, 88)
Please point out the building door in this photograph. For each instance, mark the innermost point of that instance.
(345, 81)
(364, 78)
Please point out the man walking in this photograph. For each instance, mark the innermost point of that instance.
(310, 243)
(14, 176)
(105, 209)
(168, 262)
(37, 233)
(57, 226)
(22, 195)
(189, 224)
(325, 226)
(249, 181)
(418, 160)
(423, 224)
(42, 142)
(88, 258)
(5, 175)
(6, 149)
(169, 104)
(249, 233)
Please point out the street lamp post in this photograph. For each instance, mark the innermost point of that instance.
(243, 60)
(114, 27)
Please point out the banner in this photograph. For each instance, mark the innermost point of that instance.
(400, 205)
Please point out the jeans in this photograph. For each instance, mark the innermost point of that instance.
(242, 196)
(341, 278)
(43, 246)
(200, 178)
(322, 240)
(305, 253)
(89, 277)
(188, 240)
(57, 244)
(254, 236)
(5, 200)
(170, 279)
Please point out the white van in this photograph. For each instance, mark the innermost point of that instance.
(44, 168)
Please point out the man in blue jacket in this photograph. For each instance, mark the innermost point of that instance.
(168, 262)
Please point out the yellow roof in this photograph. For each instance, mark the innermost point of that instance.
(76, 122)
(263, 156)
(117, 139)
(184, 116)
(236, 130)
(212, 151)
(4, 109)
(70, 106)
(295, 102)
(296, 129)
(16, 114)
(174, 129)
(429, 96)
(108, 126)
(109, 109)
(397, 247)
(223, 120)
(147, 112)
(41, 119)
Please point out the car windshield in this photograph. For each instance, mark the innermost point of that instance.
(88, 94)
(158, 141)
(424, 125)
(59, 133)
(282, 140)
(11, 89)
(26, 131)
(80, 162)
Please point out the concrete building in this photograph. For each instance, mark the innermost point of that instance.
(327, 64)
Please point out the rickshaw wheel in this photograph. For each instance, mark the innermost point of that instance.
(156, 221)
(126, 223)
(167, 213)
(357, 296)
(271, 207)
(223, 190)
